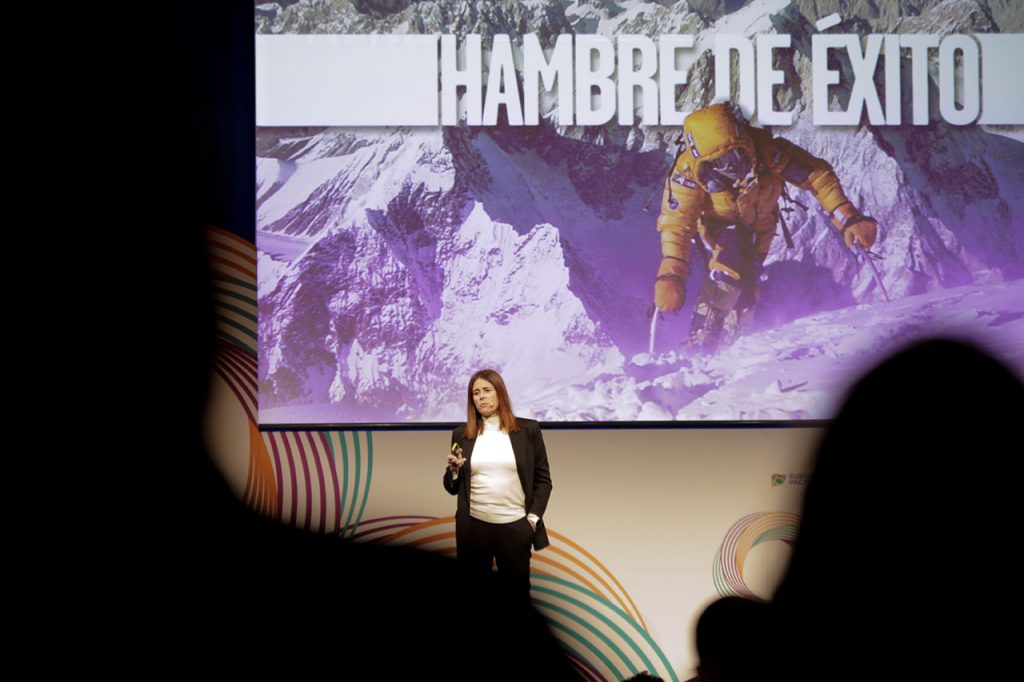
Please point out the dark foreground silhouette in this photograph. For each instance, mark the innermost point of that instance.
(901, 569)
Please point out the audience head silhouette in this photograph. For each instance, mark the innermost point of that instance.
(910, 502)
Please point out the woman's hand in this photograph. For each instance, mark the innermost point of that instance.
(455, 464)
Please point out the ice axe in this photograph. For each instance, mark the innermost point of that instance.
(871, 257)
(654, 324)
(653, 311)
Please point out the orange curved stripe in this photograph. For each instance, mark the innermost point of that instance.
(419, 526)
(238, 252)
(260, 485)
(231, 264)
(591, 557)
(220, 232)
(768, 522)
(608, 592)
(250, 474)
(579, 578)
(429, 539)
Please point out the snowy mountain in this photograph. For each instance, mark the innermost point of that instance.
(800, 370)
(392, 260)
(396, 279)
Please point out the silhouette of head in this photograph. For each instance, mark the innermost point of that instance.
(906, 509)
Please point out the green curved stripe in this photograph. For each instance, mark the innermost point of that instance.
(232, 280)
(780, 532)
(358, 466)
(614, 607)
(227, 306)
(234, 294)
(236, 342)
(344, 480)
(231, 323)
(606, 622)
(718, 574)
(619, 631)
(775, 534)
(369, 475)
(591, 627)
(584, 642)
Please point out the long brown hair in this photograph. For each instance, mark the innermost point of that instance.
(473, 420)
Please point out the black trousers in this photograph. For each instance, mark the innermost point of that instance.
(507, 544)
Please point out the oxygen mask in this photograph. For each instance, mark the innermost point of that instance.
(731, 170)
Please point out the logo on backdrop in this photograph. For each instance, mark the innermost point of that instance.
(743, 536)
(791, 479)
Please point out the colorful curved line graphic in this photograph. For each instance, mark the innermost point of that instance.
(586, 607)
(743, 536)
(233, 274)
(315, 480)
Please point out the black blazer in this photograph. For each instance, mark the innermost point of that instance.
(534, 474)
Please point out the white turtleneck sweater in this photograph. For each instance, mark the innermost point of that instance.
(495, 493)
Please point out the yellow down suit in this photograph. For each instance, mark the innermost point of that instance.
(725, 185)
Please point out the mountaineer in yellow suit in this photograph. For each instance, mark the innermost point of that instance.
(725, 187)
